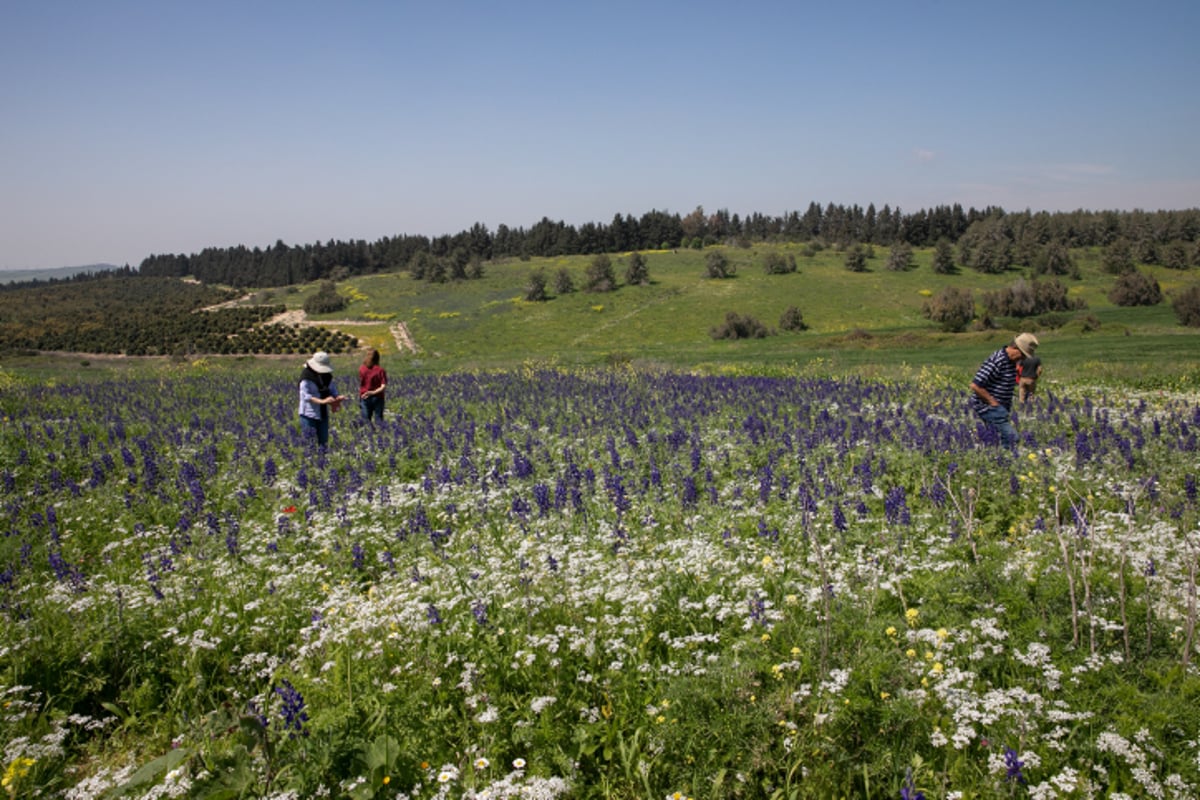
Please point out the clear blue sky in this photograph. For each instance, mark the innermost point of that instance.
(132, 127)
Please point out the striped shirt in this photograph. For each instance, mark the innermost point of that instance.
(997, 374)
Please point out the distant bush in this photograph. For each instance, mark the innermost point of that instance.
(563, 283)
(986, 246)
(1135, 289)
(1030, 298)
(900, 258)
(1186, 304)
(636, 271)
(535, 287)
(1052, 321)
(1055, 259)
(325, 301)
(1117, 257)
(792, 320)
(737, 326)
(952, 308)
(776, 263)
(1176, 256)
(717, 265)
(856, 258)
(600, 276)
(943, 258)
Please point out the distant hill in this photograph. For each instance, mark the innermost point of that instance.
(19, 275)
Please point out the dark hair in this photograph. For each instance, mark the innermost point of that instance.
(372, 359)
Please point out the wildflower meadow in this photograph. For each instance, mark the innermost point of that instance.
(607, 584)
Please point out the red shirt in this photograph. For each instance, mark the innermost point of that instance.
(370, 378)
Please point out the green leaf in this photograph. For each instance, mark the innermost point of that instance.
(152, 772)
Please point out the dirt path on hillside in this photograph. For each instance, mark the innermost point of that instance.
(399, 330)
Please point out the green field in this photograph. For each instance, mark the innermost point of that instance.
(857, 321)
(863, 323)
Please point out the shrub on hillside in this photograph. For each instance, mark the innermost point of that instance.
(776, 263)
(1030, 298)
(636, 271)
(535, 288)
(325, 301)
(1186, 304)
(943, 257)
(1176, 256)
(717, 265)
(1135, 289)
(900, 258)
(952, 308)
(1055, 259)
(563, 283)
(600, 276)
(1117, 257)
(856, 258)
(737, 326)
(792, 320)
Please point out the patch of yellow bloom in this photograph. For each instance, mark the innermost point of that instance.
(17, 768)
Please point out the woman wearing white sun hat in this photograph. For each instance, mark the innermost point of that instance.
(318, 397)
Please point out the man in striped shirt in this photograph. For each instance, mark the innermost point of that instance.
(994, 385)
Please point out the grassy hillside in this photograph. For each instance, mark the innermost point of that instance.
(857, 321)
(867, 323)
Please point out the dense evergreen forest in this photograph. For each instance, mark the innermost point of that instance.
(990, 240)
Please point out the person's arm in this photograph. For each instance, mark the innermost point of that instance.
(317, 400)
(983, 394)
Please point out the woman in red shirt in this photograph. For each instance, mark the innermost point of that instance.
(372, 381)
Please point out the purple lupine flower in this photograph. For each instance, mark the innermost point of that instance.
(689, 494)
(839, 518)
(541, 496)
(909, 790)
(434, 616)
(520, 508)
(479, 611)
(1083, 449)
(895, 506)
(292, 711)
(758, 611)
(253, 710)
(1013, 766)
(765, 475)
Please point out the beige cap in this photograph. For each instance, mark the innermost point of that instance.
(1027, 343)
